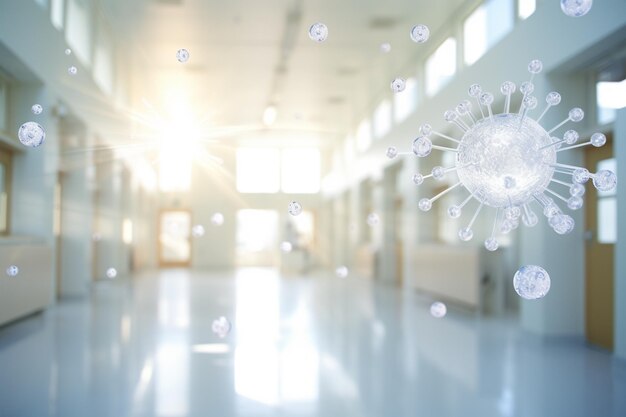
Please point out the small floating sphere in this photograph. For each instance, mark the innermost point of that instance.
(318, 32)
(438, 309)
(31, 134)
(420, 33)
(576, 8)
(13, 270)
(531, 282)
(294, 208)
(221, 327)
(182, 55)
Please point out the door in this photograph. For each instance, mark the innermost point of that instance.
(175, 238)
(601, 231)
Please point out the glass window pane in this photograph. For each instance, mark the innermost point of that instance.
(258, 170)
(610, 96)
(441, 66)
(300, 170)
(78, 30)
(485, 27)
(525, 8)
(475, 35)
(382, 117)
(405, 103)
(607, 220)
(57, 9)
(363, 136)
(103, 60)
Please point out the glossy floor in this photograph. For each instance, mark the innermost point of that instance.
(299, 347)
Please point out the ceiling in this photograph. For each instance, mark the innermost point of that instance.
(248, 54)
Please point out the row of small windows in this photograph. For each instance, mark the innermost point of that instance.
(75, 17)
(482, 29)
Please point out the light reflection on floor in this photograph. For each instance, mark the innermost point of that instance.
(310, 346)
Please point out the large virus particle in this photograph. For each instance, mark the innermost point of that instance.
(508, 161)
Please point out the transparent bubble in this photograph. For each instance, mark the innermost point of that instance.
(531, 282)
(182, 55)
(466, 234)
(342, 271)
(438, 309)
(486, 99)
(553, 98)
(491, 244)
(530, 219)
(574, 203)
(570, 137)
(294, 208)
(385, 48)
(527, 87)
(420, 33)
(425, 204)
(605, 180)
(598, 140)
(474, 90)
(508, 87)
(12, 271)
(318, 32)
(418, 179)
(68, 51)
(286, 247)
(426, 129)
(197, 230)
(221, 327)
(576, 8)
(562, 223)
(535, 66)
(581, 175)
(464, 107)
(217, 219)
(576, 114)
(576, 190)
(530, 102)
(493, 150)
(450, 116)
(373, 219)
(422, 146)
(398, 85)
(512, 212)
(551, 210)
(72, 70)
(392, 152)
(111, 273)
(438, 173)
(31, 134)
(36, 109)
(454, 211)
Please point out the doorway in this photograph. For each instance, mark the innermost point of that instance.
(175, 238)
(600, 236)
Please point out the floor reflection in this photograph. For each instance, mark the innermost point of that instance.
(315, 346)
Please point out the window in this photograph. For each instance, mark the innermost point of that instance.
(5, 188)
(256, 237)
(175, 167)
(441, 66)
(405, 103)
(57, 11)
(610, 96)
(258, 170)
(489, 23)
(78, 30)
(103, 59)
(300, 170)
(525, 8)
(382, 118)
(363, 136)
(607, 207)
